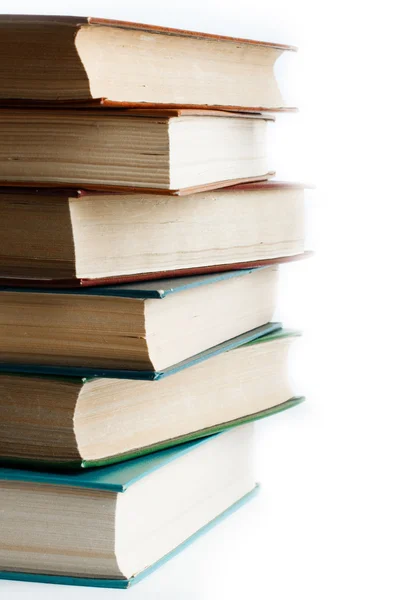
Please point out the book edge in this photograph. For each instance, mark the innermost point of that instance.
(196, 435)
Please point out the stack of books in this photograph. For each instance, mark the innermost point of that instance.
(140, 238)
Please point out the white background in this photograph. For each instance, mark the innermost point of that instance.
(326, 524)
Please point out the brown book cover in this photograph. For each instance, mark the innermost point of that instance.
(79, 21)
(76, 23)
(53, 187)
(155, 113)
(260, 183)
(77, 283)
(77, 193)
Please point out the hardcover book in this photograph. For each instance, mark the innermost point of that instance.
(110, 526)
(71, 422)
(70, 237)
(127, 149)
(145, 327)
(58, 59)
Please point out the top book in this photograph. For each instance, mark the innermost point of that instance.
(55, 59)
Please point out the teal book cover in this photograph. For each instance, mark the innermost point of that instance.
(117, 479)
(127, 583)
(114, 478)
(137, 362)
(159, 288)
(250, 336)
(53, 460)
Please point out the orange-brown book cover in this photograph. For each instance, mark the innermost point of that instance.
(190, 65)
(74, 283)
(216, 268)
(58, 135)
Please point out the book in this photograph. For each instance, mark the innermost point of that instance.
(105, 62)
(106, 527)
(64, 237)
(145, 327)
(125, 149)
(71, 422)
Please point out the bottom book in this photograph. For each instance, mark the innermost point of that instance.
(111, 526)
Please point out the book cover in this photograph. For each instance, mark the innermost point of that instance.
(269, 330)
(75, 193)
(159, 288)
(117, 479)
(127, 583)
(169, 441)
(76, 23)
(73, 465)
(65, 284)
(245, 185)
(119, 189)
